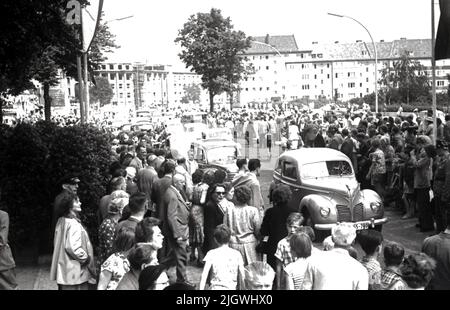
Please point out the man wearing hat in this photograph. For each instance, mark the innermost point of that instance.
(441, 185)
(69, 186)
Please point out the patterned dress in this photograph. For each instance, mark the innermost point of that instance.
(106, 233)
(196, 217)
(118, 265)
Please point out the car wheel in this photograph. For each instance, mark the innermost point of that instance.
(320, 234)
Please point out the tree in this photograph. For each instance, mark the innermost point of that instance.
(213, 50)
(191, 93)
(101, 91)
(405, 81)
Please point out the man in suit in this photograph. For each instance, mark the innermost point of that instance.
(175, 225)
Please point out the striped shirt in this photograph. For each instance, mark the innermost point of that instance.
(296, 272)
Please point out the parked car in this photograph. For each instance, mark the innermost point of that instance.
(325, 190)
(217, 154)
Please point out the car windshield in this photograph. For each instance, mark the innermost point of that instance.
(222, 155)
(325, 169)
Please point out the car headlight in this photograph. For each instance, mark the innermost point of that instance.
(375, 206)
(325, 211)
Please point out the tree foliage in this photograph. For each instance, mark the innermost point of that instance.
(191, 93)
(405, 81)
(213, 50)
(101, 91)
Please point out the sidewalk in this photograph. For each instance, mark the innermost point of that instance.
(38, 277)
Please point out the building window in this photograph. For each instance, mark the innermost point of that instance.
(112, 86)
(260, 89)
(351, 85)
(246, 89)
(111, 67)
(328, 65)
(128, 85)
(104, 67)
(120, 67)
(360, 84)
(120, 95)
(351, 74)
(127, 67)
(440, 83)
(320, 55)
(367, 80)
(367, 90)
(120, 86)
(128, 95)
(267, 67)
(321, 81)
(328, 76)
(315, 66)
(360, 95)
(336, 75)
(367, 69)
(315, 76)
(267, 88)
(267, 57)
(321, 71)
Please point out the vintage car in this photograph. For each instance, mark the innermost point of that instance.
(325, 190)
(214, 154)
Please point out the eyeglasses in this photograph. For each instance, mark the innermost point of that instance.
(220, 193)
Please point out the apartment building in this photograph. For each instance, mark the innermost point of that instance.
(286, 71)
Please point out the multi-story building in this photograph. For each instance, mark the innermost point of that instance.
(285, 71)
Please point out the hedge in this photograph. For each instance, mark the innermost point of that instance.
(34, 159)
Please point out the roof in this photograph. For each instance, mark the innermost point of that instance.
(213, 143)
(313, 155)
(285, 43)
(417, 48)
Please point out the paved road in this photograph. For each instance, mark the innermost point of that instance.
(397, 229)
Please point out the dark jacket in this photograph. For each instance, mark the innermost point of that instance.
(274, 226)
(213, 216)
(159, 188)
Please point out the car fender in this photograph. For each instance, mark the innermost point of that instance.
(312, 204)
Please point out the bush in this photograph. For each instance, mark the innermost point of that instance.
(34, 159)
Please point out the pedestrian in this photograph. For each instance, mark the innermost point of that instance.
(116, 184)
(391, 278)
(244, 222)
(146, 178)
(370, 241)
(73, 265)
(274, 222)
(224, 267)
(438, 248)
(139, 257)
(283, 253)
(377, 170)
(259, 276)
(417, 271)
(175, 224)
(7, 264)
(301, 247)
(441, 186)
(336, 269)
(117, 264)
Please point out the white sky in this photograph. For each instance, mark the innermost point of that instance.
(149, 35)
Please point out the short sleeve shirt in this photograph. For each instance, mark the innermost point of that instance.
(118, 265)
(225, 263)
(283, 252)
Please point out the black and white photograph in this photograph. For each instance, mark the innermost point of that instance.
(224, 145)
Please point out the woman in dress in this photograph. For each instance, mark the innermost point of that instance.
(196, 218)
(73, 266)
(107, 230)
(115, 267)
(213, 215)
(244, 222)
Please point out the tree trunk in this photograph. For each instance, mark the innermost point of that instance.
(47, 102)
(231, 100)
(211, 101)
(1, 110)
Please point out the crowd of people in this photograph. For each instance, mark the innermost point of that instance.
(162, 211)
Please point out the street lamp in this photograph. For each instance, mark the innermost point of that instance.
(376, 56)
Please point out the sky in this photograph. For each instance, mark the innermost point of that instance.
(149, 35)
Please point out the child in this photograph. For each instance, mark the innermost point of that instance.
(301, 247)
(390, 277)
(224, 267)
(370, 241)
(283, 252)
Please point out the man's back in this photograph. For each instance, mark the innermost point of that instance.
(438, 247)
(335, 270)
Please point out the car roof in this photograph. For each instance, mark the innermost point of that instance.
(312, 155)
(212, 143)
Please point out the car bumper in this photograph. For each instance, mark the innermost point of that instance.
(371, 222)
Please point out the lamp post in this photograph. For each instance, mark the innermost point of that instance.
(376, 56)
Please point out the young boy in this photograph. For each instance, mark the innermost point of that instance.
(370, 241)
(390, 277)
(283, 253)
(224, 266)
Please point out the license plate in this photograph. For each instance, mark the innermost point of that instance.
(361, 226)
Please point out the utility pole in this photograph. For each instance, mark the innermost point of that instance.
(433, 70)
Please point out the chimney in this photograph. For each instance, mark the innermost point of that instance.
(358, 41)
(266, 40)
(315, 42)
(381, 41)
(336, 42)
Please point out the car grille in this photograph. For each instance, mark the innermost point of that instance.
(344, 214)
(358, 212)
